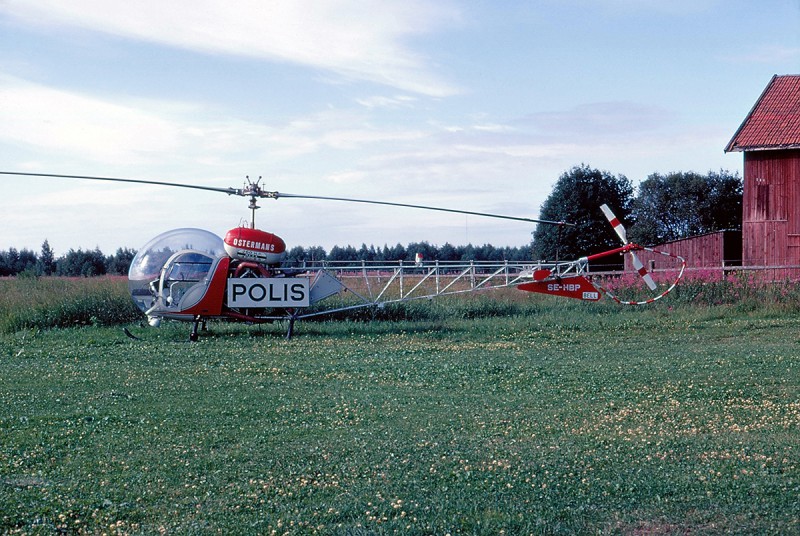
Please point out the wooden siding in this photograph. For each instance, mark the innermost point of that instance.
(765, 243)
(723, 248)
(771, 208)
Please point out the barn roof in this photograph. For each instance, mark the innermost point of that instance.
(774, 121)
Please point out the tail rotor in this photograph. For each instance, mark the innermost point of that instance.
(623, 236)
(571, 280)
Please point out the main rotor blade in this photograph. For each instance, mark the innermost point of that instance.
(423, 207)
(254, 190)
(229, 191)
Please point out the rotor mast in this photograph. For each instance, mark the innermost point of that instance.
(253, 189)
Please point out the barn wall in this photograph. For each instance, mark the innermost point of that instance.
(771, 208)
(713, 250)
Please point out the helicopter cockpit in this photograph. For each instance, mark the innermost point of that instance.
(170, 273)
(180, 274)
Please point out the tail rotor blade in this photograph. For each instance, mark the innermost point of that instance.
(637, 264)
(623, 235)
(615, 223)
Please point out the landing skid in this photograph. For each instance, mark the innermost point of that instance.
(200, 323)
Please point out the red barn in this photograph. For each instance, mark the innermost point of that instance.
(720, 249)
(770, 140)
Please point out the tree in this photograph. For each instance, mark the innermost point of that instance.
(26, 261)
(120, 262)
(46, 264)
(397, 253)
(315, 254)
(8, 262)
(296, 254)
(467, 253)
(82, 263)
(342, 254)
(428, 251)
(13, 262)
(683, 204)
(366, 253)
(447, 252)
(576, 198)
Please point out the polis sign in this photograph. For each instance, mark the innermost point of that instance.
(269, 292)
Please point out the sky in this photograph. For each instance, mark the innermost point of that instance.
(472, 105)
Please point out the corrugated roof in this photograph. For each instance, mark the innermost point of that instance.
(774, 121)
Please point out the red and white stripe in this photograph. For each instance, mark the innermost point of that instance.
(623, 235)
(678, 258)
(615, 223)
(648, 279)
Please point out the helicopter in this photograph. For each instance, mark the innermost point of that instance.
(194, 275)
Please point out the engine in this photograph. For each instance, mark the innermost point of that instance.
(245, 244)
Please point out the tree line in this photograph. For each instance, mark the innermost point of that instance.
(74, 263)
(664, 207)
(89, 263)
(446, 252)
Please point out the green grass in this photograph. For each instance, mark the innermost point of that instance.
(47, 302)
(580, 418)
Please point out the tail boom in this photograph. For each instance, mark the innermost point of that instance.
(576, 286)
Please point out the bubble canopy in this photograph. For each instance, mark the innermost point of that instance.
(147, 264)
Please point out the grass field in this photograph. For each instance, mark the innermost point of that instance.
(562, 418)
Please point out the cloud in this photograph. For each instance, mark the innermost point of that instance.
(379, 101)
(348, 146)
(356, 40)
(48, 129)
(55, 120)
(768, 54)
(75, 126)
(674, 7)
(600, 120)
